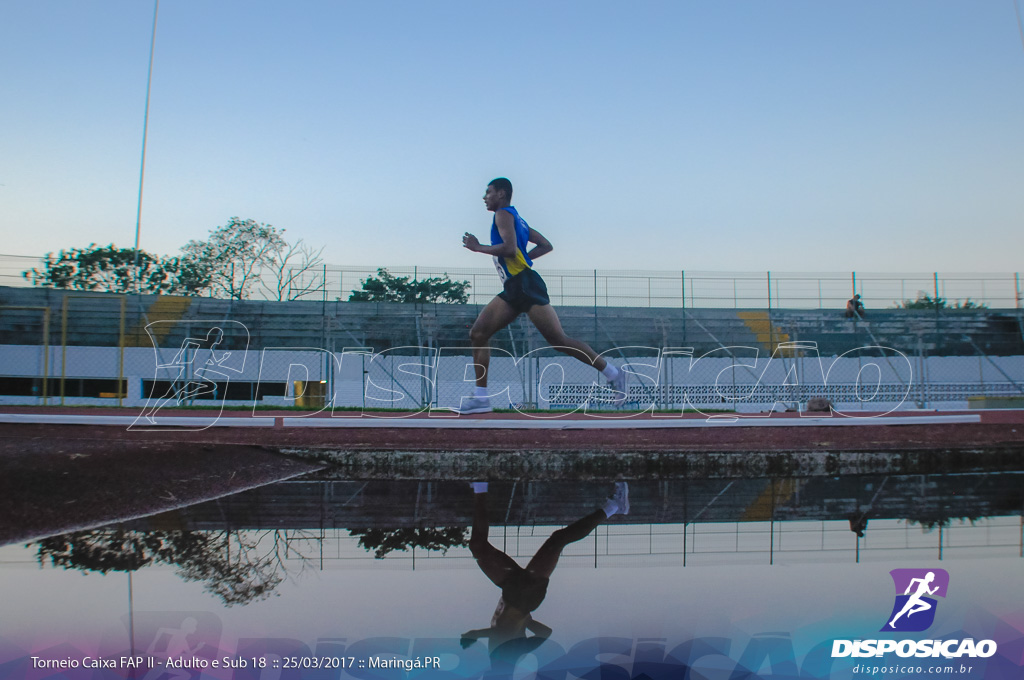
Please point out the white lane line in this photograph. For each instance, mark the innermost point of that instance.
(469, 423)
(624, 424)
(124, 421)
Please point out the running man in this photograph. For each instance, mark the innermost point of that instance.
(522, 590)
(915, 604)
(525, 292)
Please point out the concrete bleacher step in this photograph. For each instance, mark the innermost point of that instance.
(164, 308)
(95, 320)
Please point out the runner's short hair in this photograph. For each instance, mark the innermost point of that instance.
(502, 184)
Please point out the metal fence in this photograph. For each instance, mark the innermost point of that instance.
(78, 348)
(12, 266)
(686, 289)
(691, 289)
(708, 544)
(866, 380)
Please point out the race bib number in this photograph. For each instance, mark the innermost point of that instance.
(501, 268)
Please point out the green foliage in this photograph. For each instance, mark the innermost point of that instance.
(235, 261)
(969, 304)
(383, 541)
(234, 572)
(230, 261)
(925, 301)
(386, 287)
(110, 269)
(929, 520)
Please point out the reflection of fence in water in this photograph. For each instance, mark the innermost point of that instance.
(618, 544)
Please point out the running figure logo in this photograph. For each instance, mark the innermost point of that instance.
(914, 609)
(201, 367)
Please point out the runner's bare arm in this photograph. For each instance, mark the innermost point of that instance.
(543, 246)
(506, 228)
(538, 628)
(471, 636)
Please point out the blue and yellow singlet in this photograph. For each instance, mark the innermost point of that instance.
(510, 266)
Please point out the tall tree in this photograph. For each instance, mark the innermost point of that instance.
(384, 541)
(231, 565)
(110, 269)
(925, 301)
(386, 287)
(234, 257)
(293, 273)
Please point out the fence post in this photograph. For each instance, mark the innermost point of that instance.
(63, 345)
(771, 327)
(682, 281)
(46, 357)
(1016, 289)
(122, 385)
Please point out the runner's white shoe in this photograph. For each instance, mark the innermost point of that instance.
(618, 386)
(472, 405)
(621, 497)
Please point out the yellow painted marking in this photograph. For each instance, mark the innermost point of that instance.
(165, 308)
(769, 336)
(774, 495)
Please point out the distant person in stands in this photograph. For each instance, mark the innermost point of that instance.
(523, 589)
(859, 524)
(855, 308)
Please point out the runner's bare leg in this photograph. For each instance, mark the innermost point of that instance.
(546, 559)
(495, 316)
(546, 320)
(495, 564)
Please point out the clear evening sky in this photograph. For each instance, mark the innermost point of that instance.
(781, 135)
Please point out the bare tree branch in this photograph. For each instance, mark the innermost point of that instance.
(293, 273)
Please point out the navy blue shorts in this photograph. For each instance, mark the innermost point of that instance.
(524, 290)
(524, 590)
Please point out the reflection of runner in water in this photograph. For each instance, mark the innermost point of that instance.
(200, 383)
(176, 647)
(522, 590)
(915, 603)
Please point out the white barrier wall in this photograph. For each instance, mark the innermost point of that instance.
(734, 379)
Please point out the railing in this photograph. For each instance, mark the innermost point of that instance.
(736, 290)
(686, 289)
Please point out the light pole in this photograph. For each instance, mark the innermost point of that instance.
(142, 168)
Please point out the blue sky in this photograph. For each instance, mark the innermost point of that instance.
(783, 135)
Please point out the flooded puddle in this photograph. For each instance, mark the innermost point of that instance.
(729, 578)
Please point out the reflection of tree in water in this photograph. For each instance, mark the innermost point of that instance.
(238, 567)
(383, 541)
(929, 521)
(985, 498)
